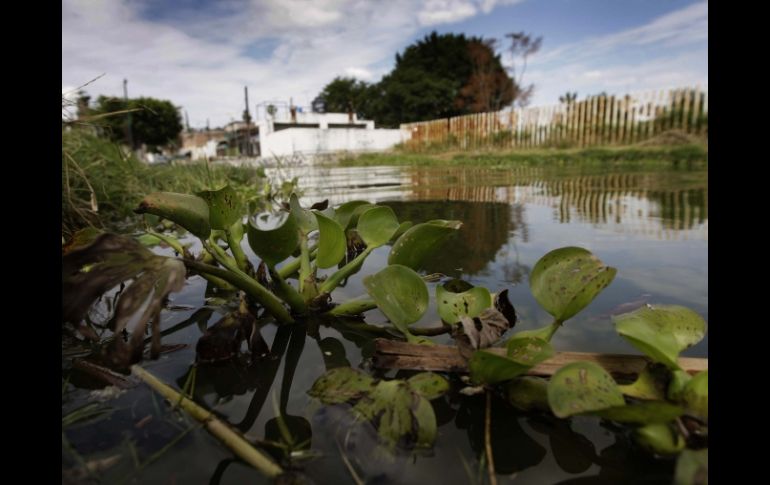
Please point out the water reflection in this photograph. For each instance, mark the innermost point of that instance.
(487, 226)
(664, 204)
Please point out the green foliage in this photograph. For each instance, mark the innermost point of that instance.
(401, 294)
(470, 303)
(628, 157)
(438, 76)
(417, 243)
(582, 387)
(566, 280)
(661, 331)
(400, 410)
(101, 184)
(522, 354)
(155, 122)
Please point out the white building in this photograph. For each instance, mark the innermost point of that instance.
(282, 132)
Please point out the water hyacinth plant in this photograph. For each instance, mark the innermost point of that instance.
(664, 407)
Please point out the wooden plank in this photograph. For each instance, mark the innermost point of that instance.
(392, 354)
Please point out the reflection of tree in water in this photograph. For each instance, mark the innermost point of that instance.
(486, 228)
(657, 203)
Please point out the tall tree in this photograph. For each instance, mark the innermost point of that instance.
(341, 95)
(155, 122)
(522, 46)
(436, 77)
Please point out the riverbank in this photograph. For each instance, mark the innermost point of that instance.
(689, 154)
(102, 183)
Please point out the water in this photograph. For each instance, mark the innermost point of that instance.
(651, 225)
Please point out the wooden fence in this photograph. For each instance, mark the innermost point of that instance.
(596, 121)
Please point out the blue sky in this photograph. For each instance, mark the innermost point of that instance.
(200, 54)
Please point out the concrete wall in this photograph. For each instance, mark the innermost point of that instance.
(314, 140)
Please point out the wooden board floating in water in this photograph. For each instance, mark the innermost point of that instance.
(392, 354)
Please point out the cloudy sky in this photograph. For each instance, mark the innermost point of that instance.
(200, 54)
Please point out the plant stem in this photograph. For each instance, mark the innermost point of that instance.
(306, 286)
(235, 246)
(241, 280)
(356, 306)
(334, 280)
(292, 267)
(220, 256)
(171, 241)
(218, 281)
(488, 439)
(220, 430)
(287, 292)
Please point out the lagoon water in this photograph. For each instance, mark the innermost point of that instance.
(652, 225)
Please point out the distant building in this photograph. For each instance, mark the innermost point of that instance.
(281, 130)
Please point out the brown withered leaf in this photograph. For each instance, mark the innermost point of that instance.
(480, 332)
(100, 261)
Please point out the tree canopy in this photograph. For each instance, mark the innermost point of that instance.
(438, 76)
(155, 122)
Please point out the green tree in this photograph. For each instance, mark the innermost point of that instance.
(436, 77)
(341, 95)
(155, 122)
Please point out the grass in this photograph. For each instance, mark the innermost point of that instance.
(690, 154)
(102, 184)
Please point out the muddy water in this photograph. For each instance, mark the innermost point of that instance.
(651, 226)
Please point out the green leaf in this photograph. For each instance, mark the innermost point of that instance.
(489, 368)
(692, 468)
(421, 241)
(376, 225)
(582, 387)
(341, 384)
(331, 242)
(344, 214)
(661, 331)
(224, 207)
(305, 219)
(523, 354)
(425, 419)
(679, 380)
(452, 306)
(274, 245)
(429, 385)
(392, 402)
(659, 438)
(650, 384)
(528, 393)
(530, 351)
(148, 240)
(566, 280)
(402, 228)
(189, 211)
(400, 293)
(696, 395)
(645, 412)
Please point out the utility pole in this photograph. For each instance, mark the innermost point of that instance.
(247, 120)
(186, 121)
(129, 134)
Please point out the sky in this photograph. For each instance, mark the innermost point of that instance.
(200, 54)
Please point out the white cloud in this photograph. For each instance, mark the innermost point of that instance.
(359, 73)
(292, 48)
(199, 68)
(622, 62)
(436, 12)
(446, 11)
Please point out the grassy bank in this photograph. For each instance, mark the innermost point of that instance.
(691, 155)
(102, 184)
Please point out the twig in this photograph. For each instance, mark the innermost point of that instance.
(488, 439)
(220, 430)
